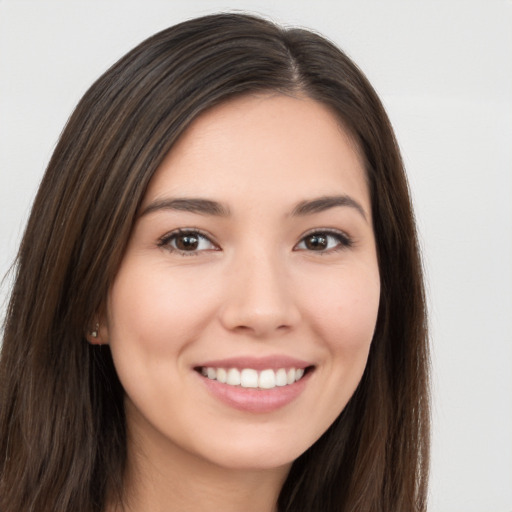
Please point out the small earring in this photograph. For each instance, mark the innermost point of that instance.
(94, 333)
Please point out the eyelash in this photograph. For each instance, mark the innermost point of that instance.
(343, 241)
(167, 240)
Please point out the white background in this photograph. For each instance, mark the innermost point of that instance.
(444, 71)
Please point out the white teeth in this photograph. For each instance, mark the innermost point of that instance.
(233, 377)
(250, 378)
(222, 375)
(281, 377)
(267, 379)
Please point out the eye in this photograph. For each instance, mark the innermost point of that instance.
(324, 241)
(187, 241)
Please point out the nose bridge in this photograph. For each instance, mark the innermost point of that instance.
(259, 298)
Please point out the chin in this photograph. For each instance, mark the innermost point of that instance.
(262, 453)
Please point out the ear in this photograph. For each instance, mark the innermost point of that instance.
(97, 334)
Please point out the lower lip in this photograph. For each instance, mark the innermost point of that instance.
(256, 400)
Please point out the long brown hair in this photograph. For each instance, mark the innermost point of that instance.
(62, 423)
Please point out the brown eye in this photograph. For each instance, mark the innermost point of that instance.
(324, 241)
(316, 242)
(187, 242)
(184, 241)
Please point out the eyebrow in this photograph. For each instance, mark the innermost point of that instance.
(192, 205)
(325, 203)
(209, 207)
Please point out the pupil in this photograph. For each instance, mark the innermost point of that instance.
(316, 242)
(187, 242)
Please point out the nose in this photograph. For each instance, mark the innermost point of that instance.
(259, 301)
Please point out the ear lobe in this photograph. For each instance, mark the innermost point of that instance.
(98, 335)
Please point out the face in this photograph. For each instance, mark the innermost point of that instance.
(243, 311)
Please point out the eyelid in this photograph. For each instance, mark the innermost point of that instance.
(164, 241)
(345, 241)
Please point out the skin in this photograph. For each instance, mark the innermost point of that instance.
(253, 287)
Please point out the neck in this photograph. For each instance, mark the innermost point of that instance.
(162, 477)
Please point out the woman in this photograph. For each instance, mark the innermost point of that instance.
(218, 299)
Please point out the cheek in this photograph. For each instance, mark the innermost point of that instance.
(150, 324)
(155, 311)
(344, 315)
(344, 310)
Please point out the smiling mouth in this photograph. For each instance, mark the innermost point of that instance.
(254, 379)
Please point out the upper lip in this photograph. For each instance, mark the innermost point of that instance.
(257, 363)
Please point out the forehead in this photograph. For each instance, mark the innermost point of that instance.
(268, 146)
